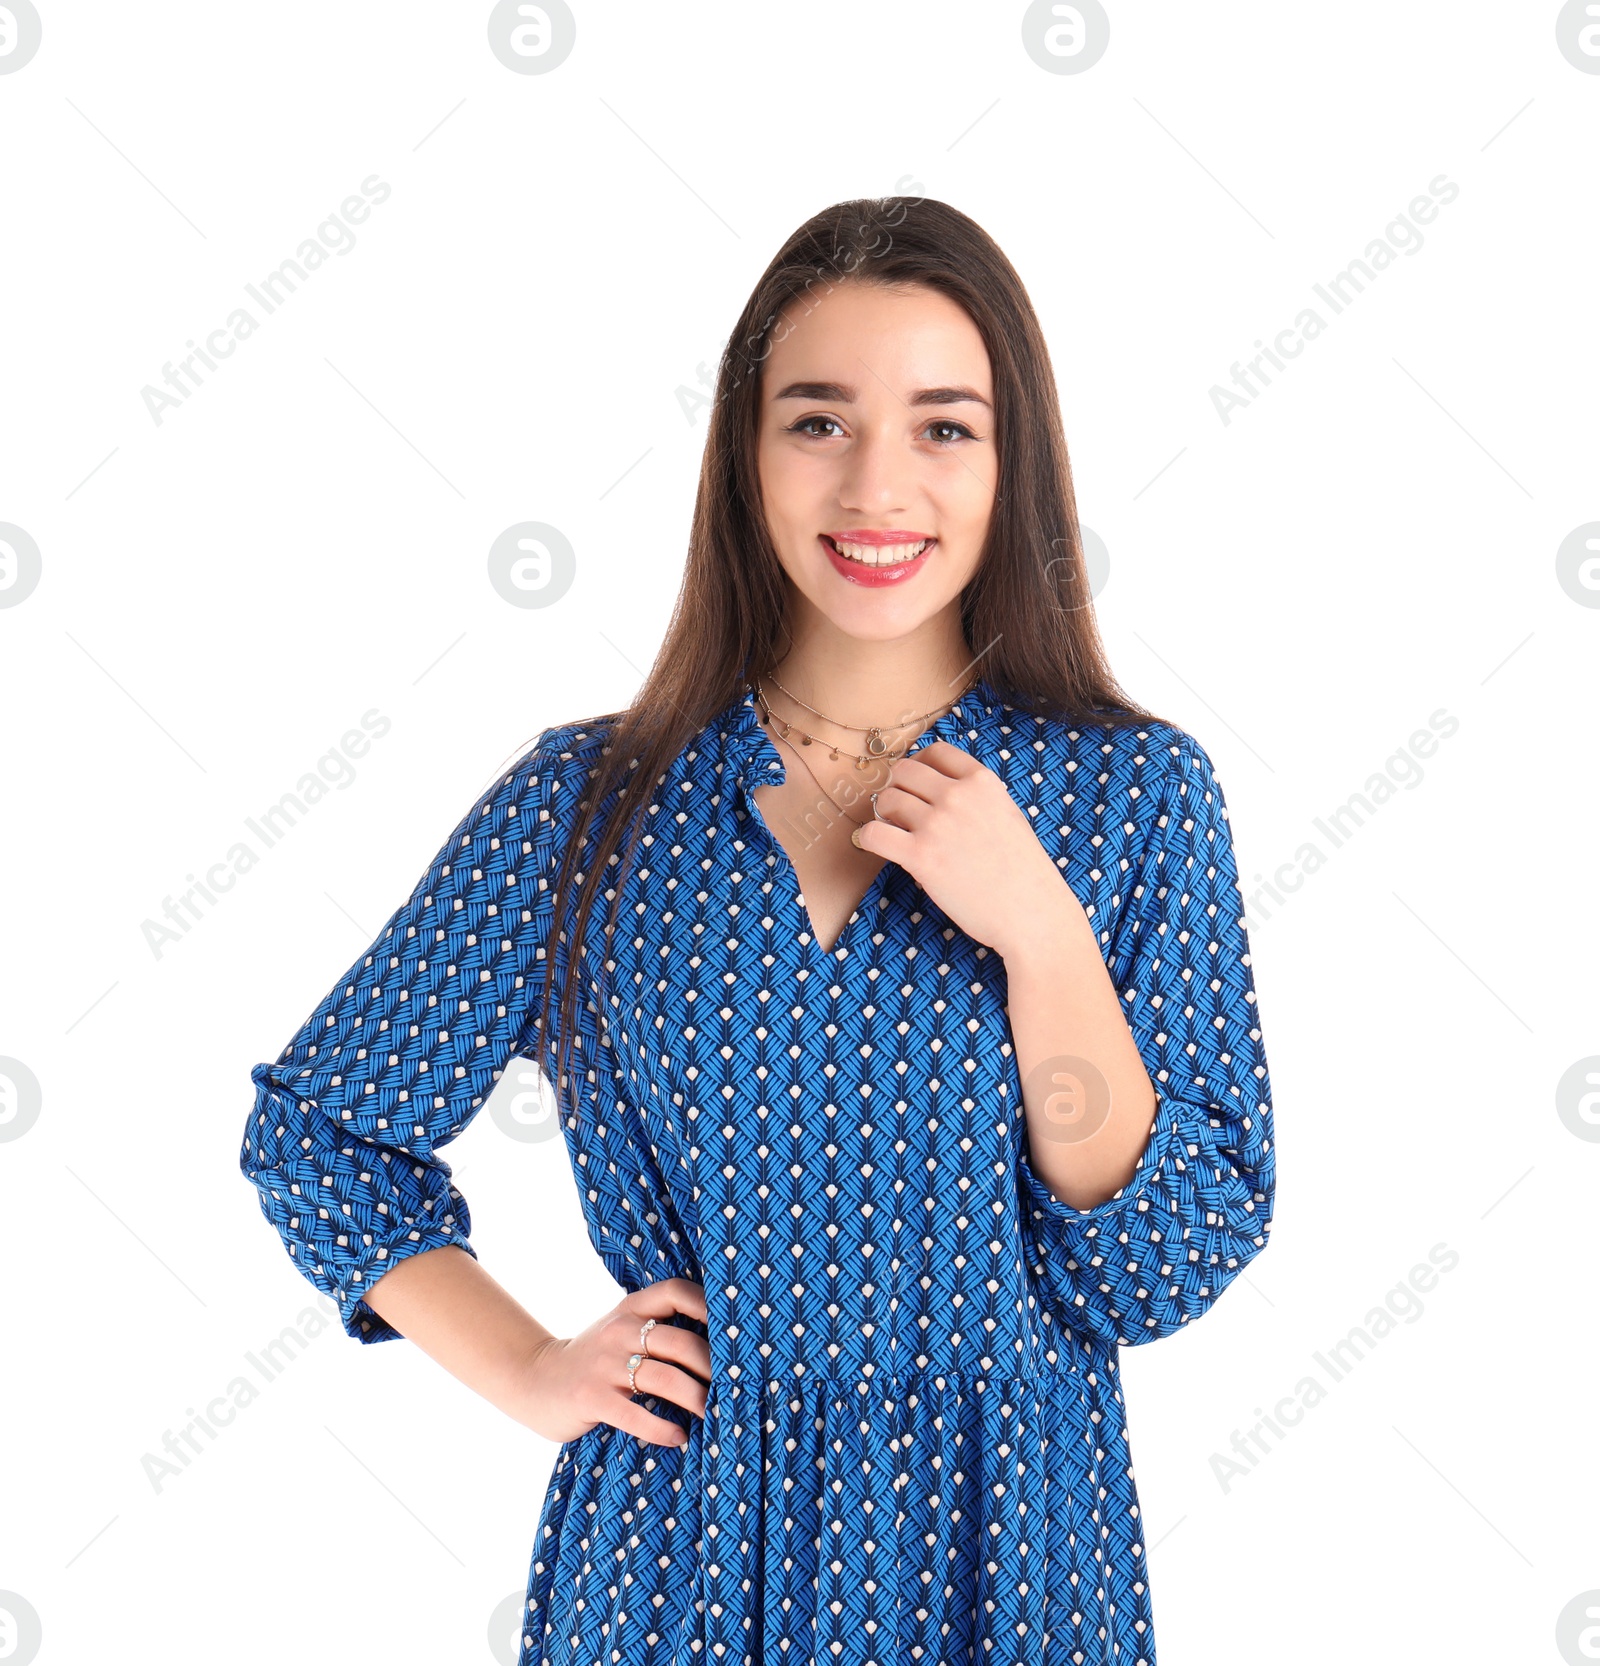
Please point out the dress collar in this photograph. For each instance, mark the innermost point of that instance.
(751, 756)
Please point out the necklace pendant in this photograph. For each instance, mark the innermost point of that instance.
(876, 744)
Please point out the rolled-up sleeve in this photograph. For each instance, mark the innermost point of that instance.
(1198, 1209)
(342, 1142)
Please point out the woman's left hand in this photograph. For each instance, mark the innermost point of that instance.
(953, 825)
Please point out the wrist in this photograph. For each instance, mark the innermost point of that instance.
(1053, 924)
(522, 1388)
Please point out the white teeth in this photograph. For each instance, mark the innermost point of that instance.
(881, 555)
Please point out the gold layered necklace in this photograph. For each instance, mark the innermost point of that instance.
(879, 751)
(823, 789)
(878, 747)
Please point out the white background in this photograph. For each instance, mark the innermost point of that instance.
(223, 594)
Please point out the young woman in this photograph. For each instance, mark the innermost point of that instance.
(911, 1069)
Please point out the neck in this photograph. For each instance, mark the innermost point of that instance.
(856, 683)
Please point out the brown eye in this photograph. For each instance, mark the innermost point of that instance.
(803, 426)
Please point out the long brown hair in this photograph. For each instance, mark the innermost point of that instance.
(1027, 612)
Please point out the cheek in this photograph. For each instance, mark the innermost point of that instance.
(788, 484)
(966, 487)
(960, 576)
(968, 511)
(959, 573)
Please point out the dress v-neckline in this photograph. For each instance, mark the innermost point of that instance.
(866, 904)
(947, 727)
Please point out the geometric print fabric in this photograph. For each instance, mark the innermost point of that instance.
(915, 1448)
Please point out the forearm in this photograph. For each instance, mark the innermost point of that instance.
(449, 1305)
(1085, 1137)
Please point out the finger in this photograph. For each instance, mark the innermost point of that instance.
(668, 1296)
(634, 1419)
(883, 838)
(663, 1301)
(682, 1347)
(918, 778)
(903, 808)
(947, 759)
(667, 1382)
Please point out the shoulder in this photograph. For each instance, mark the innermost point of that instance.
(1189, 816)
(526, 798)
(1136, 759)
(1133, 787)
(1181, 784)
(1186, 764)
(565, 753)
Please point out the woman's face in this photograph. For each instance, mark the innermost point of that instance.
(877, 433)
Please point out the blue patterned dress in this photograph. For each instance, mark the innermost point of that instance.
(915, 1449)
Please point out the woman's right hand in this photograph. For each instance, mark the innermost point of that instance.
(575, 1382)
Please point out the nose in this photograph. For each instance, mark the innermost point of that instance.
(875, 479)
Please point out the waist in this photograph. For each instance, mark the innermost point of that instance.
(891, 1384)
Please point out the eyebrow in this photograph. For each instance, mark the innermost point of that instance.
(840, 393)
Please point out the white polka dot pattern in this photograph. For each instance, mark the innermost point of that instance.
(915, 1449)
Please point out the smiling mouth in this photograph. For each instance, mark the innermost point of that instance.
(878, 555)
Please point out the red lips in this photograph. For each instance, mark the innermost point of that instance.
(876, 578)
